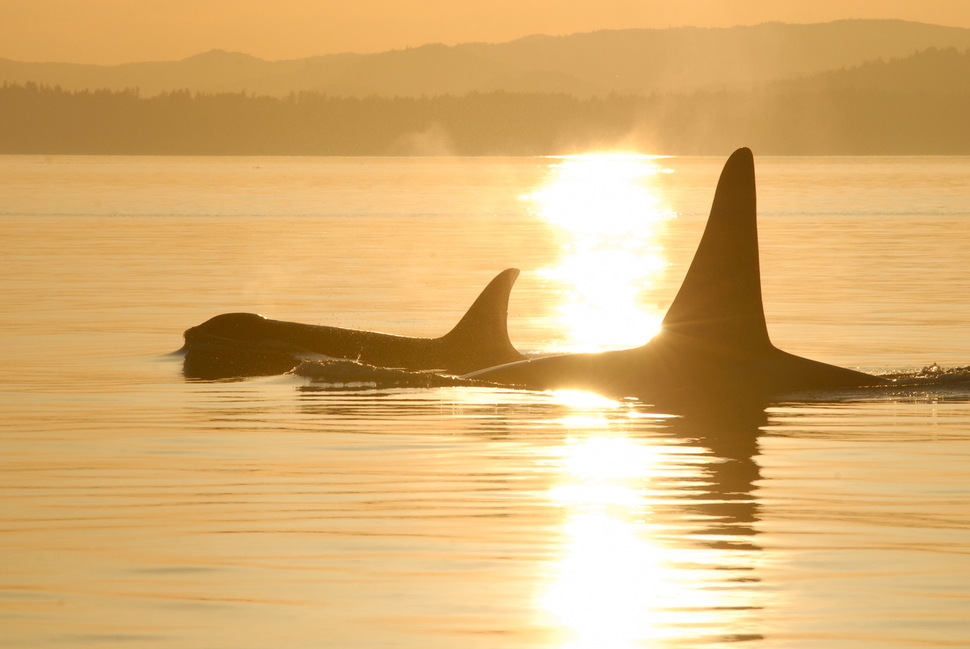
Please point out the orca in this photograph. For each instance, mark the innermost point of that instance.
(713, 342)
(237, 345)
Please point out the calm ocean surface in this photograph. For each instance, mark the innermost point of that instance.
(141, 509)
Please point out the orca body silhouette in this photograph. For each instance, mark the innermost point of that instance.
(245, 344)
(713, 341)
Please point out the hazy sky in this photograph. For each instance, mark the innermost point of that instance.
(122, 31)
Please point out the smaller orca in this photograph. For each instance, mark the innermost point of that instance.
(235, 345)
(713, 344)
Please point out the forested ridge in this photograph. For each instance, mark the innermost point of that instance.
(625, 61)
(917, 105)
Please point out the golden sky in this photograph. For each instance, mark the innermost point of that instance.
(123, 31)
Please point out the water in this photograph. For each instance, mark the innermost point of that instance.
(140, 509)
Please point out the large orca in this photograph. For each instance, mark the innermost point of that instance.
(245, 344)
(713, 341)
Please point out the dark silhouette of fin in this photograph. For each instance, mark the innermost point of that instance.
(483, 330)
(719, 302)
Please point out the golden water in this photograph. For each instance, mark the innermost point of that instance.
(140, 509)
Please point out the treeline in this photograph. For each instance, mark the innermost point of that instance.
(35, 119)
(780, 119)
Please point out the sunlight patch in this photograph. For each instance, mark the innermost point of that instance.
(609, 214)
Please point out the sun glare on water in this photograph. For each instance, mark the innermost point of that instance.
(608, 215)
(633, 568)
(621, 581)
(612, 578)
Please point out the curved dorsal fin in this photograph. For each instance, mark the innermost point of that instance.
(484, 327)
(719, 302)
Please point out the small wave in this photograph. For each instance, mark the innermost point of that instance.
(930, 383)
(932, 375)
(333, 374)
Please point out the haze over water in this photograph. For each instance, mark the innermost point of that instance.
(141, 509)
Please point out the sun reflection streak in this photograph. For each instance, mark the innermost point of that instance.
(600, 596)
(605, 207)
(621, 582)
(609, 573)
(583, 399)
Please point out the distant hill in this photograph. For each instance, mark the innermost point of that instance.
(916, 105)
(640, 62)
(934, 70)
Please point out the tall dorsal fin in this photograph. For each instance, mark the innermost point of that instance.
(719, 302)
(484, 327)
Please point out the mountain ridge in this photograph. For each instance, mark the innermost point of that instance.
(916, 105)
(591, 64)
